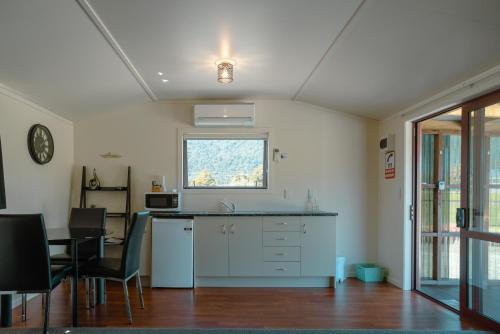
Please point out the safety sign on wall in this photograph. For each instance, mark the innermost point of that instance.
(390, 165)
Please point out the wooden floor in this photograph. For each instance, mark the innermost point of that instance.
(351, 305)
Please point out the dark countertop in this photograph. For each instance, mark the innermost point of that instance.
(191, 214)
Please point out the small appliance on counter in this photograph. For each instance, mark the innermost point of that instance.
(163, 201)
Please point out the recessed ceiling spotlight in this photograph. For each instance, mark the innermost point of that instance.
(164, 80)
(225, 70)
(160, 73)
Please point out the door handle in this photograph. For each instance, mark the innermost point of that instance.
(232, 229)
(304, 229)
(460, 218)
(223, 228)
(281, 239)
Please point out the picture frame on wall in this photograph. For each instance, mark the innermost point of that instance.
(3, 201)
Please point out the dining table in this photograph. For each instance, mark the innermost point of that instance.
(71, 237)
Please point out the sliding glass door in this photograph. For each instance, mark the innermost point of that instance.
(438, 193)
(457, 199)
(480, 213)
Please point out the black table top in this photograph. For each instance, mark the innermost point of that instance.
(78, 234)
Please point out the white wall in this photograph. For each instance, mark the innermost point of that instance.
(29, 187)
(332, 153)
(33, 188)
(395, 196)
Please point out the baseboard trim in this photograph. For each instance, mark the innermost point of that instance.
(264, 282)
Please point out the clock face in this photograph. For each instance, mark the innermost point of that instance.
(40, 144)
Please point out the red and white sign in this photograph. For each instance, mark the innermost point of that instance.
(390, 165)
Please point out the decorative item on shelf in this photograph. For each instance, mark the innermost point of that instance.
(110, 155)
(94, 182)
(40, 144)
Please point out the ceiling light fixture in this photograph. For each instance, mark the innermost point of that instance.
(225, 70)
(164, 80)
(160, 73)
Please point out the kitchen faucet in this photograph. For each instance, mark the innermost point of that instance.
(231, 207)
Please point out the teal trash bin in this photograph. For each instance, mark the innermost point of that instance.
(369, 272)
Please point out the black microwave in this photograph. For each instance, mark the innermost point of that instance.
(163, 201)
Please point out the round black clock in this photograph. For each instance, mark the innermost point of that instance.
(40, 144)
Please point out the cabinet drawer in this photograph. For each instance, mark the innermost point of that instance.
(281, 269)
(281, 224)
(282, 254)
(281, 239)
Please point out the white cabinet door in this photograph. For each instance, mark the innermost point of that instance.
(211, 246)
(245, 246)
(318, 246)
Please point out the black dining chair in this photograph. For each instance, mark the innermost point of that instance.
(24, 262)
(123, 269)
(86, 218)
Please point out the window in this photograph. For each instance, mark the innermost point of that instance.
(225, 162)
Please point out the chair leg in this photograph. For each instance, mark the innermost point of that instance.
(139, 287)
(24, 306)
(87, 294)
(92, 291)
(47, 309)
(127, 301)
(43, 301)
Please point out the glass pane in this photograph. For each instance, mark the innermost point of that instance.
(450, 195)
(426, 258)
(427, 164)
(225, 163)
(427, 210)
(484, 278)
(484, 193)
(450, 258)
(439, 197)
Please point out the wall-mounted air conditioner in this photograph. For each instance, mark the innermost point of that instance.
(224, 115)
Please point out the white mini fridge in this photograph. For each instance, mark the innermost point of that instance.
(172, 253)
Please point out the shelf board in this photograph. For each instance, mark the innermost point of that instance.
(106, 189)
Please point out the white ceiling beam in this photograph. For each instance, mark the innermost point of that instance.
(92, 15)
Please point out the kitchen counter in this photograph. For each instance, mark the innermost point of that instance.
(192, 214)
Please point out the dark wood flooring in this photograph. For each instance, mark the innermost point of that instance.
(352, 305)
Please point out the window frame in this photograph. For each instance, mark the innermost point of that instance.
(221, 133)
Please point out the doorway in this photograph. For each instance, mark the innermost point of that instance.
(457, 200)
(438, 194)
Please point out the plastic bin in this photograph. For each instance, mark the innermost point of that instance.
(340, 270)
(369, 272)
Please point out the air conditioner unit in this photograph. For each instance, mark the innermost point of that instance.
(224, 115)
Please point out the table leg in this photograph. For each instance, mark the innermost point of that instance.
(6, 311)
(100, 284)
(74, 290)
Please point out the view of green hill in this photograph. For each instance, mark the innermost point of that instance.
(224, 162)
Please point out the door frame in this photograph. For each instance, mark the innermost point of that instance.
(417, 138)
(467, 107)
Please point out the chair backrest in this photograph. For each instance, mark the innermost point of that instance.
(131, 256)
(24, 254)
(87, 218)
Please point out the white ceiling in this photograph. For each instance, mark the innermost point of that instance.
(372, 60)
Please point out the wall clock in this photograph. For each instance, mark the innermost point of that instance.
(40, 144)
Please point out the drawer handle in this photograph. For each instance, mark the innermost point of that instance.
(282, 239)
(223, 228)
(282, 223)
(281, 254)
(281, 269)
